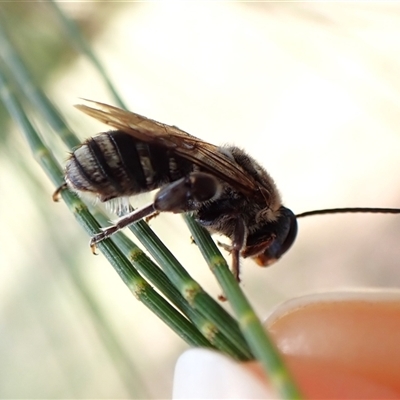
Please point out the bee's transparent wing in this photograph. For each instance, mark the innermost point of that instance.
(205, 155)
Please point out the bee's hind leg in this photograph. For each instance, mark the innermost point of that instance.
(57, 192)
(179, 196)
(128, 219)
(175, 197)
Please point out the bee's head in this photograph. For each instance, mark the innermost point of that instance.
(268, 243)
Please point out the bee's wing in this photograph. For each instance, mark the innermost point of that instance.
(201, 153)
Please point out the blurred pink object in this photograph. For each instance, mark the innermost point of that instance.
(337, 345)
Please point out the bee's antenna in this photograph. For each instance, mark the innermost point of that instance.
(350, 210)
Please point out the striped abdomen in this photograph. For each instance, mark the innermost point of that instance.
(114, 164)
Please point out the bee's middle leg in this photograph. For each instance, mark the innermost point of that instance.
(235, 248)
(238, 243)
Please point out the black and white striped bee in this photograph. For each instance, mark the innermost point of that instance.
(225, 189)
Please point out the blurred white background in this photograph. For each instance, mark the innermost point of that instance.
(311, 90)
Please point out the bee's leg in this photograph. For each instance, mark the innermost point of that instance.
(175, 197)
(128, 219)
(227, 247)
(178, 196)
(238, 243)
(151, 216)
(56, 194)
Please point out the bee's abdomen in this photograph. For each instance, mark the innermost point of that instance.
(115, 164)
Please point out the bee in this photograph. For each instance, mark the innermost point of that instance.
(225, 189)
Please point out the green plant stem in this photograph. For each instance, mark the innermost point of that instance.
(146, 267)
(192, 291)
(257, 338)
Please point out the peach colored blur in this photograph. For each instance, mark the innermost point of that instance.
(342, 349)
